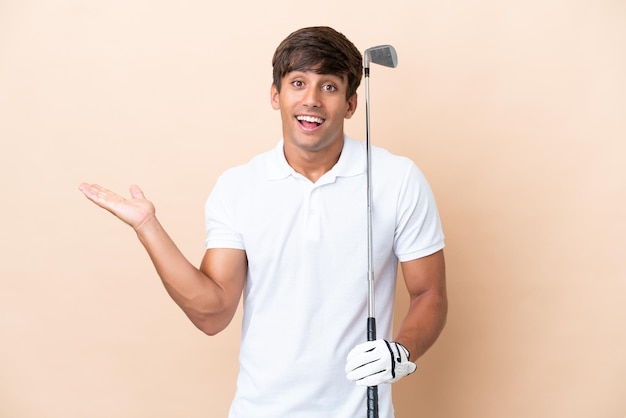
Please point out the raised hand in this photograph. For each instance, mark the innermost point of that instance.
(134, 211)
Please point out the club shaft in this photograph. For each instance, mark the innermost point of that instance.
(370, 250)
(372, 391)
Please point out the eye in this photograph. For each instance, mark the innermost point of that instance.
(329, 87)
(297, 83)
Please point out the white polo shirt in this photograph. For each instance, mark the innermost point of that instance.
(305, 298)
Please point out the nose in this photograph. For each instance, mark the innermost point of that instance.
(311, 97)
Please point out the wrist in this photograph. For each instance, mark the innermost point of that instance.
(407, 347)
(148, 227)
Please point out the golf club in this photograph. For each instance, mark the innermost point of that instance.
(384, 55)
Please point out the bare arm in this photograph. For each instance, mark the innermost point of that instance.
(209, 296)
(425, 279)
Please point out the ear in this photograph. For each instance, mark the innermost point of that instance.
(352, 102)
(274, 96)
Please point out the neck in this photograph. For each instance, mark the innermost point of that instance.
(313, 164)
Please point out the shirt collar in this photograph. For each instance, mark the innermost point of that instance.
(351, 162)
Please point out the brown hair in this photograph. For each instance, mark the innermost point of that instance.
(322, 49)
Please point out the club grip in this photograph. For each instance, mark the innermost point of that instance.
(372, 402)
(371, 329)
(372, 391)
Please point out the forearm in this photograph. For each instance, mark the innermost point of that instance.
(423, 323)
(382, 361)
(209, 295)
(200, 297)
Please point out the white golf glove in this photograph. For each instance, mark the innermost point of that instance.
(379, 361)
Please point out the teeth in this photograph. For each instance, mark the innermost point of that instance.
(310, 119)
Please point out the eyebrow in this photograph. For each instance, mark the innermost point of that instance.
(341, 77)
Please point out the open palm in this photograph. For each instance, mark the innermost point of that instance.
(134, 211)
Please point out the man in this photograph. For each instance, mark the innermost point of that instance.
(288, 231)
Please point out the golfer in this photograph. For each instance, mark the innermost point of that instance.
(288, 232)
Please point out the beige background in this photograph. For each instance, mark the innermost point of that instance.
(515, 111)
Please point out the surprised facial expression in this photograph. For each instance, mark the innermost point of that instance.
(313, 108)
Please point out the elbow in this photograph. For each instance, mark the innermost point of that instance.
(211, 319)
(208, 327)
(210, 331)
(210, 324)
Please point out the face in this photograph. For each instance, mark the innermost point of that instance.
(313, 108)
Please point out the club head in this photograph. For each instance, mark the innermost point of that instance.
(384, 55)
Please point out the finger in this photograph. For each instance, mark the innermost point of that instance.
(373, 380)
(362, 348)
(136, 192)
(91, 191)
(366, 353)
(358, 362)
(99, 195)
(94, 189)
(360, 370)
(87, 189)
(369, 374)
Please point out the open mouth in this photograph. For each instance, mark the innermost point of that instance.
(309, 122)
